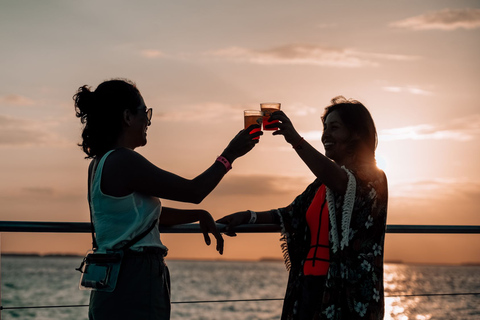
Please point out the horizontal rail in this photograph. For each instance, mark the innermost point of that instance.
(432, 229)
(84, 227)
(249, 300)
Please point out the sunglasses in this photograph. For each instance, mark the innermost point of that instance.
(148, 112)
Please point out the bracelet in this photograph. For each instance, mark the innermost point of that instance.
(225, 162)
(296, 145)
(253, 217)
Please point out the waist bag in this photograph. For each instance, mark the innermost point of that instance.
(100, 270)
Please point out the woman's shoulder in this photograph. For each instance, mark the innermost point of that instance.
(369, 173)
(119, 169)
(124, 155)
(123, 161)
(371, 177)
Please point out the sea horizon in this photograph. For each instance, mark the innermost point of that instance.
(261, 259)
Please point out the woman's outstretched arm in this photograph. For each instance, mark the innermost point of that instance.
(247, 217)
(171, 217)
(127, 171)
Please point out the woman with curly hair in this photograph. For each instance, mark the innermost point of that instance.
(125, 190)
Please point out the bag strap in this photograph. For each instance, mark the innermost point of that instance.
(91, 173)
(140, 236)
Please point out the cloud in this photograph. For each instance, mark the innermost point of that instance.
(258, 185)
(16, 100)
(26, 132)
(434, 201)
(408, 89)
(306, 54)
(326, 25)
(150, 53)
(303, 110)
(459, 189)
(213, 112)
(446, 19)
(16, 199)
(38, 191)
(461, 129)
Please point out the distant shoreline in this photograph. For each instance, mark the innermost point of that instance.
(264, 259)
(66, 255)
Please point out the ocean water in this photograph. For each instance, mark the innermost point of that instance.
(52, 281)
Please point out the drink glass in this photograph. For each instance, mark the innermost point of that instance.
(268, 108)
(253, 117)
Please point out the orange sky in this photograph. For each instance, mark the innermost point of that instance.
(199, 64)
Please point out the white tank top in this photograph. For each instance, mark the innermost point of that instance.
(119, 219)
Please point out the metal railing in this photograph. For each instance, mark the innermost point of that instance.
(85, 227)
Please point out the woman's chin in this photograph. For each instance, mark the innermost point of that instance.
(143, 142)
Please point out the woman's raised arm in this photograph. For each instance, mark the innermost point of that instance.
(128, 171)
(330, 173)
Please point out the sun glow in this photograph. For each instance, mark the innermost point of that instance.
(381, 161)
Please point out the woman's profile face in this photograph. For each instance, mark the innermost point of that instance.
(335, 138)
(140, 123)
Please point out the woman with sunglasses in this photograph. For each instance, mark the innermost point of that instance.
(124, 190)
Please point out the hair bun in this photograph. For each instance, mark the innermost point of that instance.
(84, 101)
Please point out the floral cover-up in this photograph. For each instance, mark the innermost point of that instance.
(354, 285)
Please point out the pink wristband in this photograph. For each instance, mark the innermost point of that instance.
(225, 162)
(297, 145)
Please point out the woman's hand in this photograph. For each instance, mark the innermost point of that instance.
(233, 220)
(285, 127)
(242, 143)
(207, 224)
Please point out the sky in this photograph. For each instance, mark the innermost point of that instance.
(199, 64)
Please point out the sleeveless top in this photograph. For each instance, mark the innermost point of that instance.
(317, 261)
(119, 219)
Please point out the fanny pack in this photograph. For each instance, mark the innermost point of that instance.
(100, 270)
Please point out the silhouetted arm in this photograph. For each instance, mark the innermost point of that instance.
(127, 171)
(171, 216)
(243, 217)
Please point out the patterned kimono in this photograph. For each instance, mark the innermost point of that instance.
(357, 220)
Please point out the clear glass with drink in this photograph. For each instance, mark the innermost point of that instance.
(268, 108)
(253, 117)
